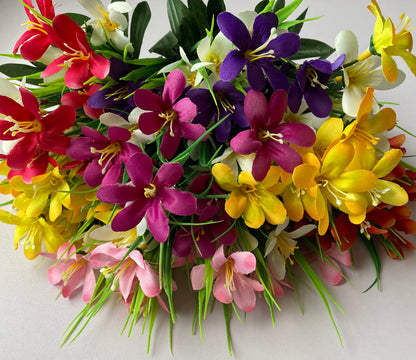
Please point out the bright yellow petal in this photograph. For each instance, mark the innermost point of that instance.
(366, 105)
(253, 215)
(246, 178)
(272, 177)
(304, 176)
(355, 204)
(224, 177)
(293, 205)
(355, 181)
(274, 211)
(391, 193)
(329, 131)
(384, 120)
(235, 204)
(389, 67)
(337, 159)
(387, 163)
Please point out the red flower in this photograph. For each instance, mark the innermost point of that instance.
(79, 59)
(35, 131)
(80, 98)
(36, 40)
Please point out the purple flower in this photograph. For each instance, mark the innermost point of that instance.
(106, 155)
(145, 197)
(229, 102)
(166, 112)
(268, 135)
(257, 50)
(310, 83)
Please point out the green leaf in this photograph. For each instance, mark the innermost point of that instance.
(279, 4)
(285, 12)
(199, 14)
(261, 6)
(167, 46)
(80, 19)
(291, 24)
(296, 28)
(227, 318)
(369, 244)
(214, 7)
(141, 73)
(18, 70)
(139, 21)
(310, 48)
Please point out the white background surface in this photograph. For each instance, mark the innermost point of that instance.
(376, 325)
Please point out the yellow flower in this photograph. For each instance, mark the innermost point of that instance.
(51, 186)
(250, 199)
(33, 231)
(387, 42)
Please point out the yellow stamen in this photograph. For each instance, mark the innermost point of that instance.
(109, 25)
(119, 94)
(170, 116)
(72, 270)
(109, 151)
(229, 274)
(264, 135)
(312, 76)
(150, 192)
(285, 249)
(23, 126)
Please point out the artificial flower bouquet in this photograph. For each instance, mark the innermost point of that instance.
(242, 155)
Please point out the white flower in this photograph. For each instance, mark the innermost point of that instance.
(234, 160)
(108, 24)
(281, 245)
(361, 75)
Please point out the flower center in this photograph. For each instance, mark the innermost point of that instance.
(150, 191)
(256, 54)
(225, 103)
(229, 274)
(108, 24)
(170, 117)
(107, 271)
(78, 264)
(107, 154)
(376, 194)
(285, 249)
(118, 94)
(215, 60)
(75, 55)
(265, 135)
(31, 25)
(312, 76)
(23, 126)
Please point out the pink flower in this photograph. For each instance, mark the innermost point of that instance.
(148, 197)
(36, 40)
(108, 256)
(332, 273)
(231, 283)
(71, 271)
(166, 112)
(79, 59)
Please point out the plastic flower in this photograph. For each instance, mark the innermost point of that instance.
(256, 50)
(71, 271)
(33, 231)
(231, 282)
(36, 40)
(108, 24)
(268, 136)
(112, 260)
(228, 101)
(33, 130)
(329, 267)
(361, 75)
(251, 199)
(106, 155)
(80, 98)
(311, 84)
(167, 112)
(387, 42)
(80, 61)
(145, 196)
(235, 161)
(280, 245)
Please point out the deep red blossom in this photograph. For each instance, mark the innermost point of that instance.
(36, 132)
(79, 98)
(78, 58)
(36, 39)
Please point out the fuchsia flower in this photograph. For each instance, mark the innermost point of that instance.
(106, 155)
(231, 283)
(36, 40)
(107, 257)
(167, 112)
(35, 132)
(79, 59)
(71, 271)
(145, 196)
(268, 136)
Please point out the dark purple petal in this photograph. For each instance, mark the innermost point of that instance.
(140, 169)
(174, 86)
(183, 243)
(245, 142)
(239, 117)
(79, 148)
(205, 246)
(277, 108)
(295, 96)
(222, 132)
(232, 65)
(261, 163)
(168, 175)
(263, 23)
(118, 194)
(116, 133)
(323, 66)
(178, 202)
(170, 143)
(301, 80)
(225, 87)
(284, 156)
(157, 222)
(130, 216)
(234, 30)
(255, 76)
(147, 100)
(202, 98)
(297, 134)
(118, 68)
(285, 45)
(256, 109)
(277, 79)
(222, 232)
(338, 62)
(318, 101)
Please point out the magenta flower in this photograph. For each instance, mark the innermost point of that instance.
(79, 59)
(231, 283)
(145, 197)
(268, 136)
(107, 257)
(106, 155)
(72, 270)
(167, 112)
